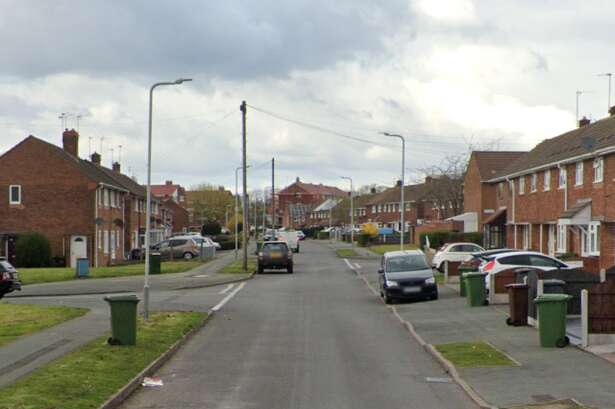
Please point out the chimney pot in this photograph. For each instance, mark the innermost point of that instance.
(297, 180)
(612, 111)
(117, 167)
(584, 122)
(70, 142)
(428, 179)
(95, 158)
(169, 182)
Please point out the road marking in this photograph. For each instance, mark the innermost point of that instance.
(358, 265)
(225, 290)
(349, 264)
(227, 298)
(438, 380)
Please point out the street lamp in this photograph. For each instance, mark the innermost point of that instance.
(351, 211)
(403, 169)
(237, 169)
(148, 211)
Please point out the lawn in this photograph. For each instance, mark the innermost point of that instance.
(17, 320)
(473, 354)
(383, 248)
(50, 275)
(87, 377)
(236, 267)
(344, 253)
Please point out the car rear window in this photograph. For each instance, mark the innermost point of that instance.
(275, 247)
(406, 263)
(177, 242)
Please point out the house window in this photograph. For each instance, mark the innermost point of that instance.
(598, 170)
(106, 242)
(522, 185)
(100, 240)
(533, 182)
(561, 238)
(578, 174)
(373, 209)
(526, 237)
(500, 189)
(106, 197)
(562, 178)
(15, 194)
(590, 243)
(547, 184)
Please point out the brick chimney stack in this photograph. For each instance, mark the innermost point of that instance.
(583, 122)
(612, 111)
(70, 142)
(116, 167)
(169, 183)
(96, 158)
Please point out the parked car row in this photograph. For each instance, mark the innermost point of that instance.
(186, 247)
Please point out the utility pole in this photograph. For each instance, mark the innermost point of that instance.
(273, 196)
(246, 212)
(402, 203)
(264, 210)
(255, 218)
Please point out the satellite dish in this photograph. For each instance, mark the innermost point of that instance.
(588, 142)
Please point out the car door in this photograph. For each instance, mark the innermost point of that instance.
(544, 263)
(178, 247)
(164, 249)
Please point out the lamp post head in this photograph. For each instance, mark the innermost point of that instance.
(180, 80)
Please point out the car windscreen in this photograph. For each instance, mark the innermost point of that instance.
(406, 263)
(281, 247)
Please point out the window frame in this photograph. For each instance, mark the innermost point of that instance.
(590, 240)
(522, 185)
(547, 180)
(562, 179)
(561, 238)
(533, 182)
(598, 166)
(11, 201)
(578, 173)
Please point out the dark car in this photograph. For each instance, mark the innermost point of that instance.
(275, 255)
(9, 279)
(406, 275)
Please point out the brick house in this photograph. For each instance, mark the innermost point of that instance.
(80, 206)
(174, 206)
(296, 200)
(170, 190)
(556, 197)
(480, 196)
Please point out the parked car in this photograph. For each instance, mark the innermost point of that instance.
(209, 241)
(275, 255)
(454, 252)
(300, 235)
(406, 275)
(475, 260)
(290, 237)
(9, 278)
(505, 261)
(186, 247)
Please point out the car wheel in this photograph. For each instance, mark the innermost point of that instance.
(435, 296)
(388, 299)
(289, 269)
(188, 256)
(261, 269)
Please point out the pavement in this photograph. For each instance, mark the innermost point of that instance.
(543, 373)
(31, 352)
(314, 339)
(203, 275)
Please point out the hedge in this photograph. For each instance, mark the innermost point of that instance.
(33, 250)
(438, 238)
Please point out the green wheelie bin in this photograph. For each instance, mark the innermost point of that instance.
(462, 283)
(123, 319)
(154, 263)
(552, 310)
(475, 289)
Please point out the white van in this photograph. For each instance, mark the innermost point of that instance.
(291, 238)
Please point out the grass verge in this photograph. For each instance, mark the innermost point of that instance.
(344, 253)
(473, 354)
(236, 267)
(383, 248)
(86, 378)
(17, 320)
(50, 275)
(439, 277)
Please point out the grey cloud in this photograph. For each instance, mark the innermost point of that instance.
(227, 39)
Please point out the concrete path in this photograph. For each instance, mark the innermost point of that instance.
(313, 339)
(544, 373)
(200, 276)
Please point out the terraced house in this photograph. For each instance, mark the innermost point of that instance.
(557, 197)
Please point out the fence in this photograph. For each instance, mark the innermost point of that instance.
(601, 315)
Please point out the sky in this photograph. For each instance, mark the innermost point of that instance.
(322, 80)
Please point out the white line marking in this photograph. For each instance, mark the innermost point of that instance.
(358, 265)
(349, 264)
(227, 298)
(225, 290)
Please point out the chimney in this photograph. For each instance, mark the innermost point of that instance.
(428, 179)
(583, 122)
(116, 167)
(169, 183)
(70, 142)
(95, 158)
(297, 180)
(372, 190)
(398, 183)
(612, 111)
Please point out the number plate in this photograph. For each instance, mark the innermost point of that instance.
(276, 254)
(412, 290)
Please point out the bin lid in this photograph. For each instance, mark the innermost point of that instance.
(553, 282)
(517, 285)
(552, 298)
(154, 254)
(474, 274)
(124, 298)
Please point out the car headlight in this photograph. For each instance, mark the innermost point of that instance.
(430, 280)
(391, 283)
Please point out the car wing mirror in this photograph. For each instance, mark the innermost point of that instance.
(381, 271)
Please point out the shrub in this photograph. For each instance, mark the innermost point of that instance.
(211, 228)
(438, 238)
(363, 239)
(33, 250)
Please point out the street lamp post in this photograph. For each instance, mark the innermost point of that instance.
(402, 209)
(351, 211)
(148, 211)
(237, 169)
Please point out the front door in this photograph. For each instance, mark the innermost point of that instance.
(551, 240)
(78, 249)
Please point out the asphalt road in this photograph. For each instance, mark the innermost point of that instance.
(316, 339)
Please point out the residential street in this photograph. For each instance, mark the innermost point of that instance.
(314, 339)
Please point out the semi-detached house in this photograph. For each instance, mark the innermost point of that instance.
(557, 198)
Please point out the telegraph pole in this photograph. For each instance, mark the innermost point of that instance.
(246, 212)
(273, 196)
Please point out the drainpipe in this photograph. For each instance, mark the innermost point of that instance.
(95, 249)
(513, 195)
